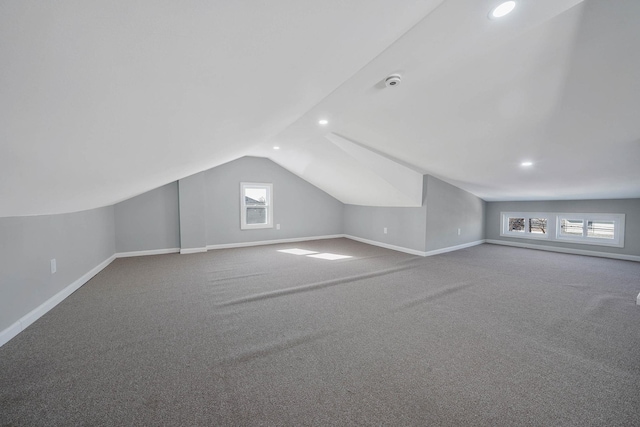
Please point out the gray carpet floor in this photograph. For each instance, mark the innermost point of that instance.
(485, 336)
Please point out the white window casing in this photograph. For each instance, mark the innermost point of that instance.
(530, 227)
(256, 205)
(597, 229)
(582, 228)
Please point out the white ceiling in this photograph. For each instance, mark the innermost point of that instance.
(103, 100)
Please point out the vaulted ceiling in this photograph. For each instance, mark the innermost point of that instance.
(103, 100)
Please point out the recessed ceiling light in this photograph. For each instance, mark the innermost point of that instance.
(526, 164)
(276, 148)
(323, 122)
(502, 9)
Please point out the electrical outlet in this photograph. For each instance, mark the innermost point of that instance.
(458, 231)
(54, 267)
(277, 226)
(385, 230)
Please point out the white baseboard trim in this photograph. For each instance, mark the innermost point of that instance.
(38, 312)
(147, 252)
(272, 242)
(454, 248)
(192, 250)
(10, 332)
(565, 250)
(43, 308)
(386, 245)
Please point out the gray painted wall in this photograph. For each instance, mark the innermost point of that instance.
(433, 226)
(78, 241)
(301, 209)
(204, 209)
(629, 207)
(406, 227)
(450, 208)
(192, 211)
(148, 221)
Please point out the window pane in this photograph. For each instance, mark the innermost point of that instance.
(516, 224)
(538, 225)
(256, 215)
(600, 229)
(571, 227)
(255, 196)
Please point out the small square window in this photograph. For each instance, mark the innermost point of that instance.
(571, 227)
(601, 229)
(538, 225)
(516, 224)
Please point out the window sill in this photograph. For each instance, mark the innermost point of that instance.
(587, 241)
(256, 227)
(526, 236)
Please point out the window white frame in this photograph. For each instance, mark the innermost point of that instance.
(504, 224)
(618, 229)
(554, 220)
(268, 205)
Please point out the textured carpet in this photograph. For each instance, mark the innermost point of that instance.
(485, 336)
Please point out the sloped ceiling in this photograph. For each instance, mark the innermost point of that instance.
(103, 100)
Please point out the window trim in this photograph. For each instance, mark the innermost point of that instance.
(618, 229)
(504, 225)
(268, 205)
(553, 227)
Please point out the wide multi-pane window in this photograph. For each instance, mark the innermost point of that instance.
(583, 228)
(525, 225)
(256, 205)
(592, 229)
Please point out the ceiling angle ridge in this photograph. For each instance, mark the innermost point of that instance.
(405, 179)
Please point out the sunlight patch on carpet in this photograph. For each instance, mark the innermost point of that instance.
(329, 256)
(296, 251)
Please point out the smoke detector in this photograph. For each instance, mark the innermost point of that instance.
(393, 80)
